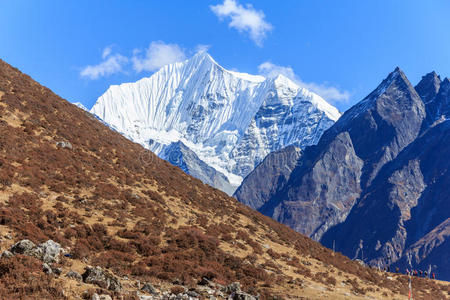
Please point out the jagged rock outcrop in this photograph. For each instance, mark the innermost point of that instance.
(48, 251)
(428, 87)
(149, 288)
(102, 278)
(436, 96)
(25, 247)
(438, 109)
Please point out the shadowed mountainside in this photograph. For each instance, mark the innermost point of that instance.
(377, 181)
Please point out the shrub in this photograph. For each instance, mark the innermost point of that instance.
(21, 277)
(81, 249)
(273, 254)
(177, 290)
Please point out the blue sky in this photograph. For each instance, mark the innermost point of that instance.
(341, 49)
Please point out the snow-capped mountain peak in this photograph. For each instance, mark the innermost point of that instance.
(203, 58)
(230, 120)
(288, 88)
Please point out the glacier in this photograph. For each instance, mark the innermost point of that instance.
(229, 120)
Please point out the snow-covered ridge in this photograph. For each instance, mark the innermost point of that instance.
(80, 105)
(230, 120)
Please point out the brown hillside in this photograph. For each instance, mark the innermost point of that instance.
(111, 203)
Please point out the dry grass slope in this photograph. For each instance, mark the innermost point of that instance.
(113, 204)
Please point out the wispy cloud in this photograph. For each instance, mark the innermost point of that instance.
(158, 54)
(107, 51)
(330, 93)
(111, 63)
(201, 48)
(271, 70)
(246, 19)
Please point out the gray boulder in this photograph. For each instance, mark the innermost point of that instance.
(6, 254)
(148, 288)
(63, 144)
(49, 251)
(242, 296)
(46, 268)
(233, 288)
(57, 271)
(102, 278)
(25, 247)
(74, 275)
(207, 282)
(193, 294)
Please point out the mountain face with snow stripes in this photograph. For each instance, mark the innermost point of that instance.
(229, 120)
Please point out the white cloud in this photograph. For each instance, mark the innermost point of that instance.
(107, 51)
(329, 93)
(201, 48)
(244, 19)
(271, 70)
(111, 64)
(158, 54)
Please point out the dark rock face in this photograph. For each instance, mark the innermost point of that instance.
(428, 87)
(382, 124)
(268, 178)
(329, 177)
(327, 192)
(376, 185)
(436, 96)
(439, 108)
(181, 156)
(406, 202)
(430, 253)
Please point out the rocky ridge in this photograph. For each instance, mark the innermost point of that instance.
(375, 181)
